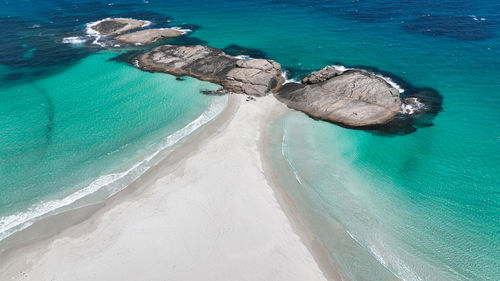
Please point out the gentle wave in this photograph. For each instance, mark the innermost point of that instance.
(76, 40)
(391, 262)
(183, 30)
(289, 163)
(395, 265)
(19, 221)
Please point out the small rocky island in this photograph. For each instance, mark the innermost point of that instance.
(349, 97)
(256, 77)
(115, 26)
(353, 98)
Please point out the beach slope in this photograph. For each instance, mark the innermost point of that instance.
(206, 212)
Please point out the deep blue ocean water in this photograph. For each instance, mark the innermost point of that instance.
(419, 206)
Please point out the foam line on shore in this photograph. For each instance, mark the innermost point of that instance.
(21, 220)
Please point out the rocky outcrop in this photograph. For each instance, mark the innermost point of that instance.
(321, 75)
(147, 36)
(353, 98)
(115, 26)
(256, 77)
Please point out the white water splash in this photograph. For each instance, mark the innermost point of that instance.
(243, 57)
(183, 30)
(75, 40)
(285, 74)
(414, 107)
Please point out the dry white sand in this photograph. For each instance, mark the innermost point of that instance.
(206, 214)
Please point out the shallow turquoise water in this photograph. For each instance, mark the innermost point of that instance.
(86, 127)
(424, 206)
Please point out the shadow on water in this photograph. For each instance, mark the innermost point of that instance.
(48, 106)
(237, 50)
(404, 124)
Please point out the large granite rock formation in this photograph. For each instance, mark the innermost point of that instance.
(256, 77)
(115, 26)
(148, 35)
(353, 98)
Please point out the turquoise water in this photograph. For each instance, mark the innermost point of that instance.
(89, 126)
(421, 206)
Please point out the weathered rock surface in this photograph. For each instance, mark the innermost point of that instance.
(115, 26)
(256, 77)
(321, 75)
(148, 35)
(352, 98)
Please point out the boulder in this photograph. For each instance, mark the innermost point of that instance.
(352, 98)
(321, 75)
(256, 77)
(148, 36)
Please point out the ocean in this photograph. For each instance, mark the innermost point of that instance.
(421, 204)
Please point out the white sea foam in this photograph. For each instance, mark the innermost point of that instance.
(475, 18)
(19, 221)
(285, 74)
(136, 63)
(341, 68)
(414, 107)
(76, 40)
(243, 57)
(97, 36)
(94, 33)
(183, 30)
(284, 146)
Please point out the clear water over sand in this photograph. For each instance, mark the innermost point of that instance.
(423, 205)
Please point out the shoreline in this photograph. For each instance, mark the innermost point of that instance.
(49, 226)
(92, 193)
(86, 221)
(287, 204)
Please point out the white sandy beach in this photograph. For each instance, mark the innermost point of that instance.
(206, 212)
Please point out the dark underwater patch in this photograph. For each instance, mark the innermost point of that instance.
(14, 76)
(237, 50)
(26, 44)
(185, 40)
(369, 13)
(467, 28)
